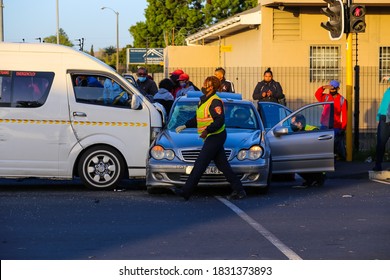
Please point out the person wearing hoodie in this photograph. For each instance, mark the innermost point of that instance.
(164, 95)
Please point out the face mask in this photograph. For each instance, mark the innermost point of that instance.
(142, 79)
(204, 90)
(182, 84)
(294, 127)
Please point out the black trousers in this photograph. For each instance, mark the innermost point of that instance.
(383, 135)
(212, 150)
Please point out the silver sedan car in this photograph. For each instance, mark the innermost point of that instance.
(251, 129)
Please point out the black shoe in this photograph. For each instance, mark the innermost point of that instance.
(304, 185)
(181, 193)
(237, 195)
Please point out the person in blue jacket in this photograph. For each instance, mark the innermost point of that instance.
(383, 131)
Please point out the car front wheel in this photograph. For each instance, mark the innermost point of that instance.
(101, 168)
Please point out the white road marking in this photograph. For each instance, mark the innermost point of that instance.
(381, 181)
(290, 254)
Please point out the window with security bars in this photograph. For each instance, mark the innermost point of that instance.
(384, 62)
(325, 63)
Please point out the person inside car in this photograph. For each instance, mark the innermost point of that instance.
(298, 124)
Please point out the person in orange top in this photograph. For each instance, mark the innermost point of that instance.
(340, 114)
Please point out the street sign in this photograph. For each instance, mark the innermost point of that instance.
(145, 56)
(226, 48)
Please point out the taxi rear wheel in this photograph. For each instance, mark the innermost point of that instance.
(101, 168)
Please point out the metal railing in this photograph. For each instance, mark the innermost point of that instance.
(300, 91)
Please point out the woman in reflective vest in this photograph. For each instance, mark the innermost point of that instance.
(210, 122)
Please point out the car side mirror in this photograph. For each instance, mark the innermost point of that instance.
(135, 103)
(280, 130)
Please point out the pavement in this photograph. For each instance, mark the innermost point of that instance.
(359, 170)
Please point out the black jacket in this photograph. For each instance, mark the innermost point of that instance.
(226, 86)
(273, 86)
(148, 87)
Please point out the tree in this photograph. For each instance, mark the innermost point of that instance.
(91, 52)
(64, 39)
(217, 10)
(169, 22)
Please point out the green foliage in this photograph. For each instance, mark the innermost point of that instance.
(110, 50)
(64, 39)
(218, 10)
(169, 22)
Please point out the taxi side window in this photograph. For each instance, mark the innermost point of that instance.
(24, 88)
(99, 90)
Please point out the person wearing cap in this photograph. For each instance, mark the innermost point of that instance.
(340, 114)
(147, 86)
(383, 130)
(210, 122)
(226, 85)
(185, 85)
(174, 76)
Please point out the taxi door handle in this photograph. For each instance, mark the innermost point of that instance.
(325, 137)
(79, 114)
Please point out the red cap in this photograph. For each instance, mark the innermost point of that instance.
(177, 72)
(183, 77)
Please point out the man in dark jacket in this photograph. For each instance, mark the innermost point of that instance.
(147, 86)
(269, 89)
(226, 86)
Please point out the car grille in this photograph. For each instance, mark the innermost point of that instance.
(206, 178)
(192, 155)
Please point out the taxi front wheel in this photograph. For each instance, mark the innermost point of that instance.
(101, 167)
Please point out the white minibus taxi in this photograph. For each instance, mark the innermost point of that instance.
(65, 114)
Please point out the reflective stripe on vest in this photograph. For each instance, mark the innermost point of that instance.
(341, 99)
(204, 118)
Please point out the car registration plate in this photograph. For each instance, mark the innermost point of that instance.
(209, 170)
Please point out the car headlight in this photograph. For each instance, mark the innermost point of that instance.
(158, 152)
(255, 152)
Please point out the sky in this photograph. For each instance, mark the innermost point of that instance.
(31, 19)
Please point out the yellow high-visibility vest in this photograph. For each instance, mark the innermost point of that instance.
(204, 118)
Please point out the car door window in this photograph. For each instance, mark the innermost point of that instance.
(309, 119)
(272, 113)
(100, 90)
(24, 88)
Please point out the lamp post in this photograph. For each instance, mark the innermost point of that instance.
(117, 36)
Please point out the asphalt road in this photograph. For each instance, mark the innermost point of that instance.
(347, 219)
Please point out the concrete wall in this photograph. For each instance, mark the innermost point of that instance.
(191, 56)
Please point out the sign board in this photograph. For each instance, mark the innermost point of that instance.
(145, 56)
(227, 48)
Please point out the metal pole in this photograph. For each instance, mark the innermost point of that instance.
(1, 22)
(117, 41)
(58, 23)
(117, 36)
(349, 97)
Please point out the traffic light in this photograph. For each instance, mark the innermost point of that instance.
(357, 22)
(335, 14)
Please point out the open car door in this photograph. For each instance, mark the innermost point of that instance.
(308, 150)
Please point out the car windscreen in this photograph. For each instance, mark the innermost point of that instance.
(237, 115)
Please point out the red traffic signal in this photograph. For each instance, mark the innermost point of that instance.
(357, 22)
